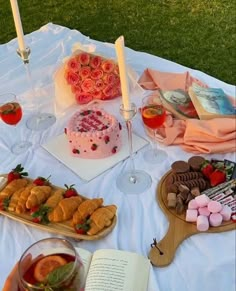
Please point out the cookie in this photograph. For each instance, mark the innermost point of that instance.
(196, 162)
(180, 167)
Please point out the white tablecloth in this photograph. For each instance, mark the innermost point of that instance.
(202, 262)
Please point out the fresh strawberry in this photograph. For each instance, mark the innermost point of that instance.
(94, 147)
(217, 177)
(106, 139)
(207, 169)
(70, 191)
(40, 214)
(114, 149)
(41, 181)
(82, 227)
(16, 173)
(37, 219)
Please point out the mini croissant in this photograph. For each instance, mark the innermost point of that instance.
(12, 187)
(21, 207)
(14, 199)
(65, 209)
(55, 198)
(38, 195)
(85, 209)
(102, 217)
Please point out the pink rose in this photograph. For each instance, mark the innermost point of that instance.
(110, 78)
(95, 62)
(71, 77)
(87, 85)
(85, 72)
(96, 74)
(73, 65)
(83, 58)
(97, 94)
(108, 91)
(83, 98)
(76, 88)
(108, 66)
(99, 85)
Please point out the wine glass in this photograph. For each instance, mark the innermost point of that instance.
(153, 116)
(39, 120)
(132, 181)
(51, 264)
(11, 113)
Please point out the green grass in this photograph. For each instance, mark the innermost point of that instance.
(200, 34)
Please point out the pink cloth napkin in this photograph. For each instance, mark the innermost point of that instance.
(217, 135)
(152, 80)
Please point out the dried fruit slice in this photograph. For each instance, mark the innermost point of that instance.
(47, 265)
(150, 112)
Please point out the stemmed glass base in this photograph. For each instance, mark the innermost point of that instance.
(133, 182)
(155, 156)
(21, 147)
(40, 121)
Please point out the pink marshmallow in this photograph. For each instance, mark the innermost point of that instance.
(204, 211)
(215, 219)
(214, 206)
(192, 204)
(202, 223)
(191, 215)
(202, 200)
(226, 213)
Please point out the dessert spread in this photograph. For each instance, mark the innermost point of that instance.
(200, 188)
(93, 134)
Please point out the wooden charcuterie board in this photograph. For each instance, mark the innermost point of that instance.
(62, 228)
(178, 229)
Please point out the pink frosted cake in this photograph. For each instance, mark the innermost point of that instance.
(93, 134)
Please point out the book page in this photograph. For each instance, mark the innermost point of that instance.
(115, 270)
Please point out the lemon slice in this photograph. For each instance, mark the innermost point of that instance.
(7, 108)
(150, 112)
(47, 265)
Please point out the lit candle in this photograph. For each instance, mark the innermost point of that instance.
(120, 52)
(18, 25)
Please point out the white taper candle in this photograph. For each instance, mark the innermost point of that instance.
(18, 25)
(120, 52)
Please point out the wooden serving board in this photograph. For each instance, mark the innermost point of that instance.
(63, 228)
(178, 230)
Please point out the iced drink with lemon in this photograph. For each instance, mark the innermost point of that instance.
(54, 265)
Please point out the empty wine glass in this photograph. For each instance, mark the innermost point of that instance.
(153, 116)
(11, 114)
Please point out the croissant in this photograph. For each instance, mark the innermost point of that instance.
(37, 196)
(101, 218)
(65, 209)
(21, 207)
(85, 209)
(14, 199)
(12, 187)
(55, 198)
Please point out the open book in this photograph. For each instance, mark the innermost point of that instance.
(179, 103)
(211, 102)
(115, 270)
